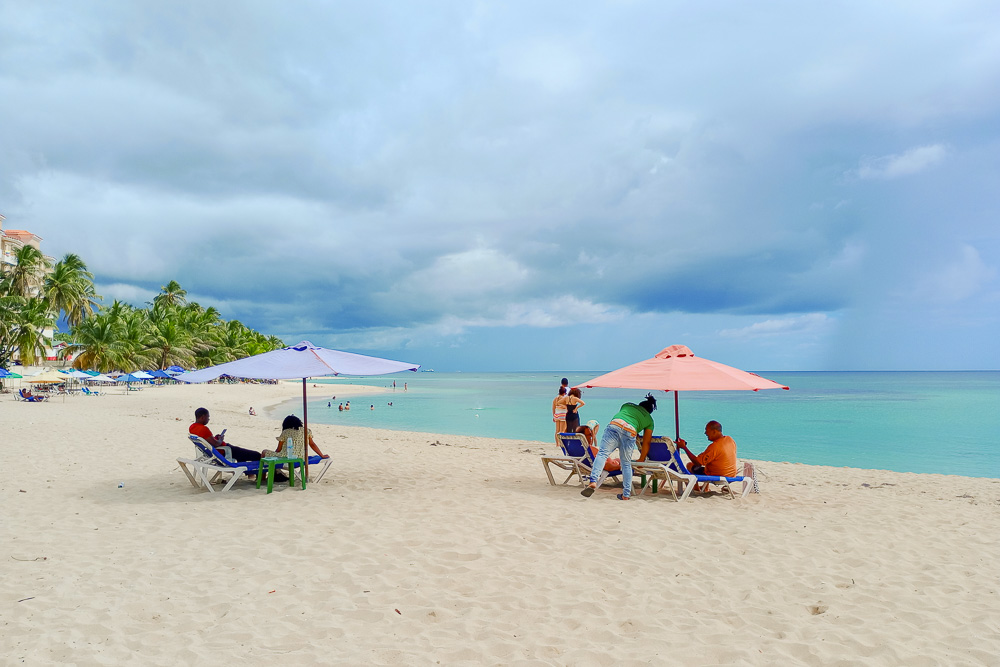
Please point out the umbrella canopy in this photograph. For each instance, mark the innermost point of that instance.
(4, 373)
(676, 368)
(48, 376)
(128, 377)
(142, 375)
(102, 378)
(304, 360)
(161, 374)
(80, 375)
(175, 369)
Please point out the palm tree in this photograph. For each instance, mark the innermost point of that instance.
(70, 289)
(27, 274)
(172, 342)
(171, 294)
(28, 330)
(98, 344)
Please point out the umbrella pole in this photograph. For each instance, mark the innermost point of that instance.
(677, 419)
(305, 425)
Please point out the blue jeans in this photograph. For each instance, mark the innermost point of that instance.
(614, 438)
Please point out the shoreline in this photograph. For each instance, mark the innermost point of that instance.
(413, 543)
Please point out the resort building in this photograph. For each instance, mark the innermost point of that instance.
(12, 240)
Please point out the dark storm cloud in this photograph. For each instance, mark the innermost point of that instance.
(394, 171)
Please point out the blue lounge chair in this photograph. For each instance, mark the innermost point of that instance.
(680, 472)
(576, 458)
(209, 466)
(31, 399)
(90, 392)
(659, 460)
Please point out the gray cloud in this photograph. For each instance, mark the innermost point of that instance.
(387, 175)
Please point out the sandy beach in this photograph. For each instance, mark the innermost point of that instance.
(435, 549)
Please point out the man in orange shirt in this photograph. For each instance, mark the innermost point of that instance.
(720, 457)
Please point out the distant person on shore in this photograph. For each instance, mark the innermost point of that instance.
(559, 412)
(200, 429)
(720, 456)
(252, 413)
(291, 427)
(340, 407)
(621, 434)
(573, 404)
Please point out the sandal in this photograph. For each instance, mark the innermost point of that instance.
(621, 496)
(588, 492)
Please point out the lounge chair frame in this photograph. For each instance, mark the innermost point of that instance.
(576, 458)
(209, 467)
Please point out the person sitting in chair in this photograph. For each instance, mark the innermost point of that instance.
(589, 431)
(200, 429)
(291, 427)
(718, 459)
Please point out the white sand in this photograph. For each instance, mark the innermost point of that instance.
(409, 553)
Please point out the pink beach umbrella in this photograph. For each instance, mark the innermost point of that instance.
(676, 369)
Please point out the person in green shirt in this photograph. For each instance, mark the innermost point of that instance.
(621, 434)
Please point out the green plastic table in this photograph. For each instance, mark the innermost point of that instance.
(271, 462)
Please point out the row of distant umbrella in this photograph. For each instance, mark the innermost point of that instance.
(54, 376)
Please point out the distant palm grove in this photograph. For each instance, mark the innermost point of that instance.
(170, 331)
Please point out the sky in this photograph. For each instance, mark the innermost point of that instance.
(527, 186)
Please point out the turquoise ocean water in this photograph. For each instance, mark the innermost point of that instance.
(946, 422)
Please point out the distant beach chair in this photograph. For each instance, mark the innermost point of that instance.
(32, 398)
(90, 392)
(576, 458)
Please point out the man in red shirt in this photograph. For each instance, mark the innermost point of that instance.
(200, 428)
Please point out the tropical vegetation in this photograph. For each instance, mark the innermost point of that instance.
(169, 331)
(33, 293)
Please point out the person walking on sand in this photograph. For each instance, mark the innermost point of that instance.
(559, 412)
(621, 434)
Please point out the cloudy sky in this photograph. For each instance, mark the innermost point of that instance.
(523, 185)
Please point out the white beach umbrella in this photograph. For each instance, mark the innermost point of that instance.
(304, 360)
(142, 375)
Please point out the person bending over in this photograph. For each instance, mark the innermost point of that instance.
(720, 456)
(200, 428)
(621, 434)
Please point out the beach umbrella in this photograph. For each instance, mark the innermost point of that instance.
(677, 369)
(161, 374)
(142, 375)
(80, 375)
(175, 369)
(102, 378)
(6, 374)
(50, 376)
(304, 361)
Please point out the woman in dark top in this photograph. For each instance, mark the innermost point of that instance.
(573, 404)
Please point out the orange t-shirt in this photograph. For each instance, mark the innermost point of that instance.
(202, 431)
(720, 457)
